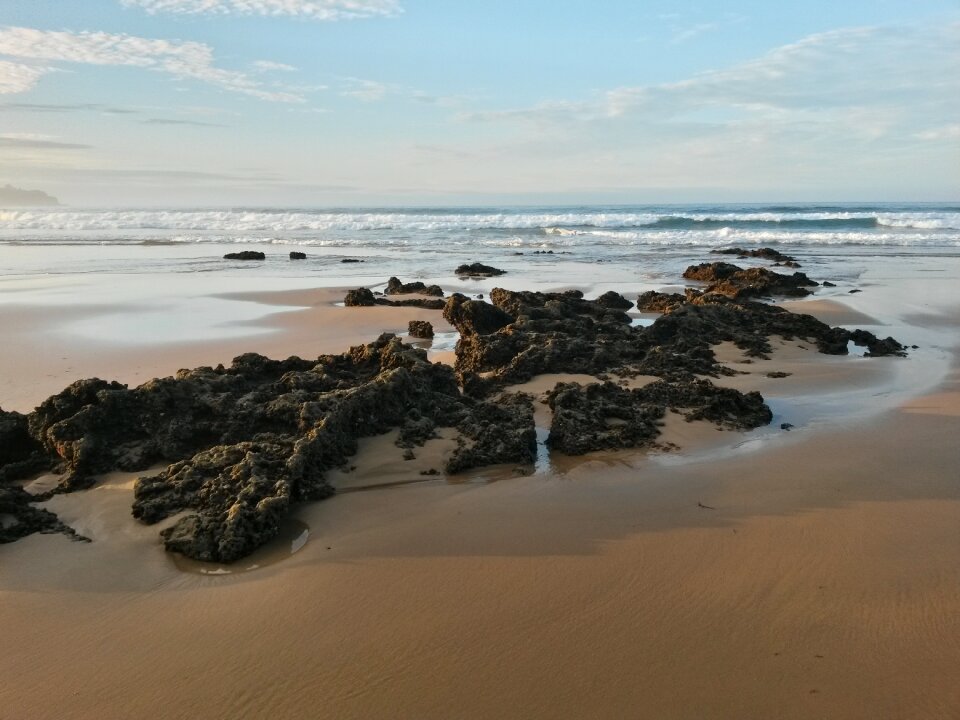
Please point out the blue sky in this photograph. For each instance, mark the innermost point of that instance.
(365, 102)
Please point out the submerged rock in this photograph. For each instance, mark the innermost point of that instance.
(245, 255)
(294, 255)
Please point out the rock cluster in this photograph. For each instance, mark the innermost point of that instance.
(740, 284)
(244, 443)
(395, 287)
(765, 253)
(364, 297)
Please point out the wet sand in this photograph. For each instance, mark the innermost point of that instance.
(812, 573)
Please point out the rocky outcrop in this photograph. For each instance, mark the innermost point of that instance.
(395, 287)
(474, 317)
(245, 255)
(763, 253)
(364, 297)
(607, 416)
(247, 442)
(420, 329)
(740, 284)
(614, 301)
(479, 270)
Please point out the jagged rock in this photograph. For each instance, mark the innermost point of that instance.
(474, 317)
(479, 270)
(245, 255)
(739, 284)
(607, 416)
(764, 253)
(652, 301)
(294, 255)
(361, 297)
(614, 300)
(395, 287)
(496, 433)
(420, 329)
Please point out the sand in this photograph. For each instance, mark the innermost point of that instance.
(800, 574)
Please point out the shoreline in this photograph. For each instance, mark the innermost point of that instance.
(813, 576)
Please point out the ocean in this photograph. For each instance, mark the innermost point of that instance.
(418, 237)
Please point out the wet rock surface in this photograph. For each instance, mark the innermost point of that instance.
(420, 329)
(740, 284)
(364, 297)
(294, 255)
(243, 444)
(395, 287)
(245, 255)
(479, 270)
(765, 253)
(608, 417)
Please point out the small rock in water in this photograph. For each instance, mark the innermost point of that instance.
(827, 283)
(855, 290)
(479, 270)
(778, 374)
(294, 255)
(245, 255)
(350, 260)
(786, 426)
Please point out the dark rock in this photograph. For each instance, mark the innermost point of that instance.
(479, 270)
(474, 317)
(855, 290)
(245, 255)
(420, 329)
(786, 426)
(606, 416)
(614, 300)
(764, 253)
(395, 287)
(294, 255)
(361, 297)
(351, 260)
(652, 301)
(777, 374)
(739, 284)
(827, 283)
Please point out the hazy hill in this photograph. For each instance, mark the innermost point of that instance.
(10, 195)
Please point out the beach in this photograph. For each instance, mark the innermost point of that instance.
(808, 572)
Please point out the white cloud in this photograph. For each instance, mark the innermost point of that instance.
(306, 9)
(17, 78)
(270, 66)
(946, 132)
(366, 90)
(191, 60)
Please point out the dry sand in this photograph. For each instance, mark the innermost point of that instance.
(815, 576)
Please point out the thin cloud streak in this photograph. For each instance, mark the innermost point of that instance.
(324, 10)
(184, 60)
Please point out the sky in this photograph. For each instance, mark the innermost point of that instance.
(436, 102)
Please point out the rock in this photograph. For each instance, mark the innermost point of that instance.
(777, 374)
(606, 416)
(479, 270)
(474, 317)
(351, 260)
(294, 255)
(764, 253)
(658, 302)
(420, 329)
(395, 287)
(739, 284)
(245, 255)
(827, 283)
(361, 297)
(855, 290)
(614, 300)
(786, 426)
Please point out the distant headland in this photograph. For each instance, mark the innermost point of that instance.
(10, 195)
